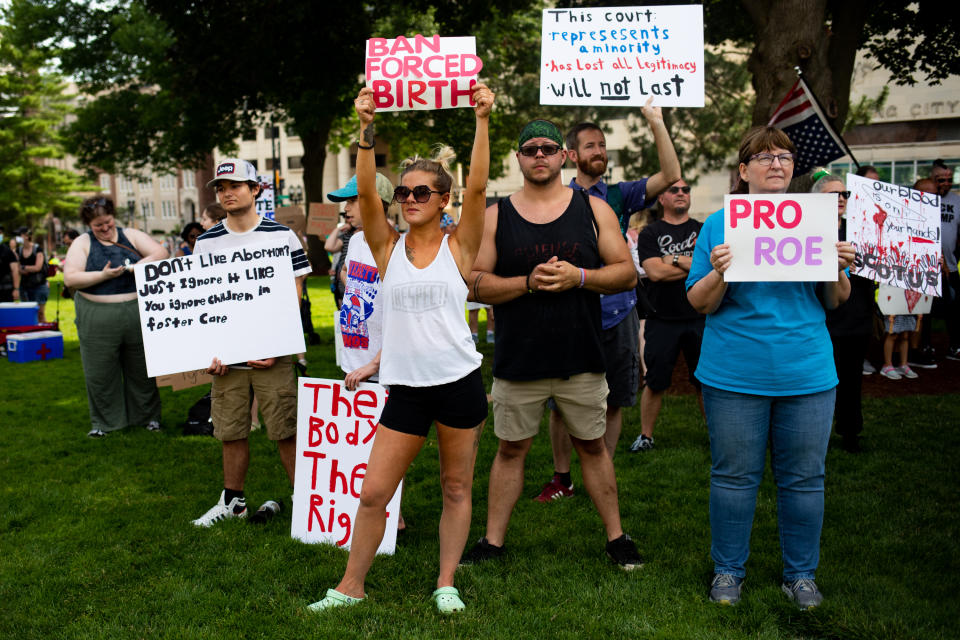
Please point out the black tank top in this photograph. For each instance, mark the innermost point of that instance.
(116, 255)
(544, 334)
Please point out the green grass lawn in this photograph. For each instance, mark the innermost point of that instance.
(96, 540)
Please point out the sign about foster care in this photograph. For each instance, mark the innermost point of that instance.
(896, 231)
(335, 433)
(422, 72)
(236, 305)
(622, 56)
(781, 237)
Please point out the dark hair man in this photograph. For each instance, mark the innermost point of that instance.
(237, 189)
(548, 251)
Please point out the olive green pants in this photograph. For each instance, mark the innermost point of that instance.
(118, 390)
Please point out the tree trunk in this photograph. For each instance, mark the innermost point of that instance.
(314, 156)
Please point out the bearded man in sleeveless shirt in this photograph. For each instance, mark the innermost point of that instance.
(548, 252)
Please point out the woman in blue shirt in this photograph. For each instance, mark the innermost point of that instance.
(767, 370)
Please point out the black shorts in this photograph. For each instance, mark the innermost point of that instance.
(621, 351)
(664, 339)
(461, 404)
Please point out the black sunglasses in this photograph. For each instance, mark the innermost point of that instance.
(845, 194)
(676, 190)
(99, 202)
(531, 150)
(421, 193)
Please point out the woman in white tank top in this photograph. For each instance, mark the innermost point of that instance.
(428, 356)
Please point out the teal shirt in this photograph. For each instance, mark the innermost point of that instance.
(765, 338)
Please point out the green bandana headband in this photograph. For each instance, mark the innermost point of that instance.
(541, 129)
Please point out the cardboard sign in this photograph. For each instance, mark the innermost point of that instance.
(789, 237)
(185, 379)
(896, 231)
(422, 72)
(335, 433)
(218, 305)
(291, 217)
(323, 219)
(621, 56)
(894, 301)
(265, 199)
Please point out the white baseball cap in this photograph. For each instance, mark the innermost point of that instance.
(235, 170)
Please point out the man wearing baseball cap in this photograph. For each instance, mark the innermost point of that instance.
(271, 380)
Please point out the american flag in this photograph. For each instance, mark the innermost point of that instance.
(800, 117)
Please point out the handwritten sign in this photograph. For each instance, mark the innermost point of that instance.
(195, 308)
(896, 231)
(781, 237)
(335, 433)
(622, 56)
(323, 219)
(185, 379)
(422, 72)
(265, 199)
(292, 218)
(894, 301)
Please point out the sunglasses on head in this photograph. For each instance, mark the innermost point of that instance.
(421, 193)
(532, 149)
(845, 194)
(99, 202)
(676, 190)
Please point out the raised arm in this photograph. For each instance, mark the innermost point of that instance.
(469, 233)
(380, 234)
(669, 163)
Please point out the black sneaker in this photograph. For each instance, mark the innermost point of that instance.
(953, 353)
(624, 553)
(922, 358)
(481, 552)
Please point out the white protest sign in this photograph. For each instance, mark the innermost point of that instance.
(216, 305)
(265, 199)
(896, 231)
(335, 434)
(423, 72)
(788, 237)
(894, 301)
(622, 56)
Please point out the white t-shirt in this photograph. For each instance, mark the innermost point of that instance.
(361, 315)
(426, 339)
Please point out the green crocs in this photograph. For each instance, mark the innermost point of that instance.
(448, 600)
(336, 599)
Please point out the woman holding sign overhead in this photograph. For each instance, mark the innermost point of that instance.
(768, 377)
(428, 357)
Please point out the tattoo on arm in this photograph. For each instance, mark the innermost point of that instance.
(368, 136)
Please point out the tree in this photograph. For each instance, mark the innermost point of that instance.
(32, 111)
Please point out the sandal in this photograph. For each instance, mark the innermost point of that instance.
(448, 600)
(334, 599)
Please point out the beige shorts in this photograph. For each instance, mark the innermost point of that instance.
(581, 399)
(276, 392)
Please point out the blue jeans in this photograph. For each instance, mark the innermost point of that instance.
(798, 429)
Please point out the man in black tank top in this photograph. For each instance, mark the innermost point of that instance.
(547, 254)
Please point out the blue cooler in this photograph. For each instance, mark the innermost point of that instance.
(35, 345)
(18, 314)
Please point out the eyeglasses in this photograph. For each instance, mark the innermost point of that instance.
(766, 159)
(843, 194)
(531, 150)
(676, 190)
(99, 202)
(421, 193)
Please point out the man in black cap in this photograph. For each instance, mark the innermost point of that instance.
(548, 252)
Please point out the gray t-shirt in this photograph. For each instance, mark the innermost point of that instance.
(949, 221)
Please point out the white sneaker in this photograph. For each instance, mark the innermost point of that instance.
(868, 368)
(891, 372)
(153, 425)
(907, 372)
(221, 511)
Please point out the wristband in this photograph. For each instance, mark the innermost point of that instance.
(529, 290)
(583, 277)
(364, 146)
(676, 259)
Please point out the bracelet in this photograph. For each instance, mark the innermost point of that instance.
(476, 287)
(583, 277)
(363, 146)
(529, 290)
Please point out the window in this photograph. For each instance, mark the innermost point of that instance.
(249, 134)
(146, 209)
(168, 209)
(125, 185)
(146, 182)
(269, 164)
(294, 162)
(271, 132)
(254, 163)
(189, 180)
(105, 182)
(168, 182)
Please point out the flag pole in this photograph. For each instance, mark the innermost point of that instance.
(843, 143)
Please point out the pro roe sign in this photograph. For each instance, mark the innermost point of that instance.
(422, 73)
(781, 237)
